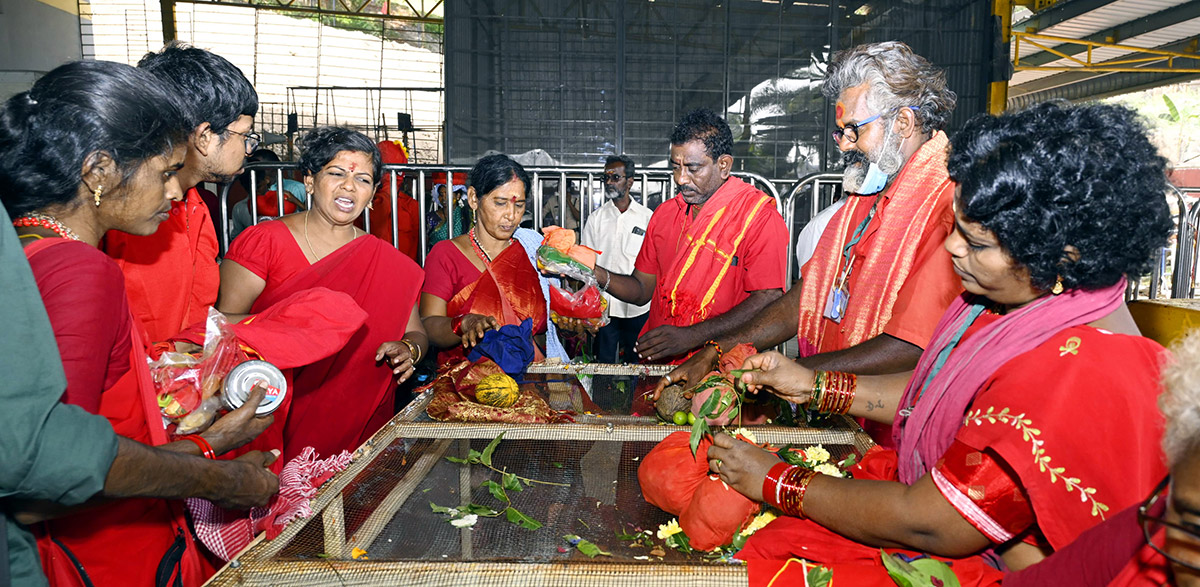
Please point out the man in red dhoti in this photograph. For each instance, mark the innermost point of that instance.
(879, 280)
(713, 257)
(171, 276)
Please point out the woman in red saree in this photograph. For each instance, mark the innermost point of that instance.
(342, 400)
(486, 278)
(1012, 429)
(128, 162)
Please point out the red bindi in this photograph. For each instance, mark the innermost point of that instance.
(353, 166)
(840, 110)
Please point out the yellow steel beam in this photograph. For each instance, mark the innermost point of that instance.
(1166, 321)
(998, 90)
(1087, 64)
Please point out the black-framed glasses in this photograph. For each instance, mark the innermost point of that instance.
(253, 139)
(1152, 524)
(609, 177)
(850, 131)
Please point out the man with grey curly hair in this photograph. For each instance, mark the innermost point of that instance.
(879, 279)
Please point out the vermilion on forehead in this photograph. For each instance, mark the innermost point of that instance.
(841, 111)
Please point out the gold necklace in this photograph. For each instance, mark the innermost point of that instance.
(317, 257)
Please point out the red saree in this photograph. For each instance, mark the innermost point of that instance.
(340, 401)
(507, 290)
(123, 542)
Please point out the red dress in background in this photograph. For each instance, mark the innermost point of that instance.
(171, 276)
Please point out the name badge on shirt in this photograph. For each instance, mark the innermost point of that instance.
(639, 231)
(734, 262)
(835, 304)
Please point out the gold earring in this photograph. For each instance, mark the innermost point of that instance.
(371, 205)
(1058, 286)
(96, 194)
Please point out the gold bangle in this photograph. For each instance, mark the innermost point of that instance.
(414, 351)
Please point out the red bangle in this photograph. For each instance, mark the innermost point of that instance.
(456, 325)
(770, 486)
(206, 449)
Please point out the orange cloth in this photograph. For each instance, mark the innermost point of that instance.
(171, 276)
(707, 265)
(902, 280)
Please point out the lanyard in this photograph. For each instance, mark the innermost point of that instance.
(848, 250)
(944, 354)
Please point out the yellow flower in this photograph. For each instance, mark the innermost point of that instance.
(358, 554)
(758, 522)
(745, 433)
(828, 469)
(816, 455)
(669, 529)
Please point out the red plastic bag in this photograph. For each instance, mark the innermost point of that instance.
(585, 304)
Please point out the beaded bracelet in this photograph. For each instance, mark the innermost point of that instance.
(206, 449)
(716, 346)
(785, 486)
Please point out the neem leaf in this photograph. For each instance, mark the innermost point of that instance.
(707, 409)
(486, 457)
(699, 429)
(457, 460)
(591, 550)
(521, 520)
(496, 490)
(473, 456)
(479, 510)
(437, 509)
(511, 482)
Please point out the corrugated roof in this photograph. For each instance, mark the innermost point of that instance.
(1114, 15)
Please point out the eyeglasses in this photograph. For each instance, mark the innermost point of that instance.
(613, 177)
(850, 131)
(1151, 525)
(253, 139)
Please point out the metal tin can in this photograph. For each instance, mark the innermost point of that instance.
(245, 376)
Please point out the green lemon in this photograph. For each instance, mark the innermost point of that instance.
(680, 418)
(691, 418)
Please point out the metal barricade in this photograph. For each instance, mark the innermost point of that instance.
(813, 192)
(654, 187)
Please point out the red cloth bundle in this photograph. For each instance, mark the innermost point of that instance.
(709, 511)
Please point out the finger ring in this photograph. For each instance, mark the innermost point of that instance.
(668, 378)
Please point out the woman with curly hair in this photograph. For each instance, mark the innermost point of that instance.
(1012, 429)
(340, 401)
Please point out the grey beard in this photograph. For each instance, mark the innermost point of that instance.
(889, 158)
(612, 193)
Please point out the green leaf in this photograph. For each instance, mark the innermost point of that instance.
(936, 569)
(496, 490)
(479, 510)
(521, 519)
(437, 509)
(586, 547)
(709, 405)
(457, 460)
(556, 465)
(918, 573)
(819, 576)
(511, 482)
(1171, 109)
(680, 542)
(699, 429)
(486, 457)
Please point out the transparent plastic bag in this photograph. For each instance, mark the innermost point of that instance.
(189, 385)
(587, 305)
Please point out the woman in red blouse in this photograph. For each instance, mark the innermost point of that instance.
(1016, 429)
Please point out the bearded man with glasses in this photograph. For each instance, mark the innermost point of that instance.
(879, 279)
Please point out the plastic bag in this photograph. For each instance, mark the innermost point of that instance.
(559, 254)
(586, 304)
(189, 385)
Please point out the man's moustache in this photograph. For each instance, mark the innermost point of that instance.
(850, 158)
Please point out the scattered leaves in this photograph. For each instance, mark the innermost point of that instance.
(584, 546)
